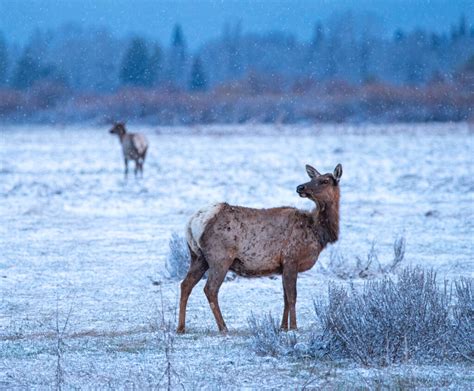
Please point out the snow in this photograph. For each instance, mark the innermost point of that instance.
(76, 237)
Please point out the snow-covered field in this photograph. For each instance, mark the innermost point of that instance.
(82, 252)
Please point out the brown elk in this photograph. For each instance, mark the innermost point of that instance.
(261, 242)
(134, 147)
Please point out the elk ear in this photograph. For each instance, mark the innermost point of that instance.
(337, 172)
(312, 172)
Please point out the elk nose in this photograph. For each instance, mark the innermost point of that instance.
(300, 188)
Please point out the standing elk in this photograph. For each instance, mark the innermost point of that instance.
(261, 242)
(134, 147)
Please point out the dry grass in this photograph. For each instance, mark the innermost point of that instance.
(368, 267)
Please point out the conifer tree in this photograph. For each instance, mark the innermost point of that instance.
(198, 78)
(135, 67)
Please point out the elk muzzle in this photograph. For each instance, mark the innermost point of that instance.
(301, 190)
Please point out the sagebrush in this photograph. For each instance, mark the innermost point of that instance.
(463, 314)
(408, 319)
(177, 262)
(391, 321)
(267, 337)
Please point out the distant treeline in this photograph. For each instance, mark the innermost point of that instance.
(350, 69)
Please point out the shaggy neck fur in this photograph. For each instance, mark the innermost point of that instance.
(326, 219)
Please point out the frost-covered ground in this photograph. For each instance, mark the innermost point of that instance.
(84, 250)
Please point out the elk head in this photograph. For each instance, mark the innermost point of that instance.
(322, 188)
(118, 128)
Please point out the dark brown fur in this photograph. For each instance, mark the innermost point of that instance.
(259, 242)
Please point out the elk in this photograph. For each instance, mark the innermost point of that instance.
(261, 242)
(134, 147)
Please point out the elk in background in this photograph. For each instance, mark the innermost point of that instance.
(261, 242)
(134, 147)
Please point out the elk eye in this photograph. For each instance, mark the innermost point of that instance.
(326, 181)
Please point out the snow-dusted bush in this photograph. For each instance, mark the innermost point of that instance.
(268, 339)
(389, 321)
(411, 319)
(463, 313)
(369, 267)
(177, 262)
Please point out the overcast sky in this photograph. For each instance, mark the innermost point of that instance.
(204, 19)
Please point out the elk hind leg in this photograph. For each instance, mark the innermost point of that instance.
(141, 168)
(137, 166)
(211, 289)
(142, 161)
(196, 270)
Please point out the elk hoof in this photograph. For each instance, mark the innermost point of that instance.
(180, 330)
(224, 330)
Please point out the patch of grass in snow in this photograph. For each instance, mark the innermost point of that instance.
(129, 345)
(407, 377)
(368, 267)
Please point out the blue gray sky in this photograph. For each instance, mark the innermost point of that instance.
(204, 19)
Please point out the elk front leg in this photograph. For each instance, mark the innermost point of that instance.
(284, 320)
(126, 167)
(290, 274)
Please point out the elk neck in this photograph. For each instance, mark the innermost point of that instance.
(122, 136)
(326, 221)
